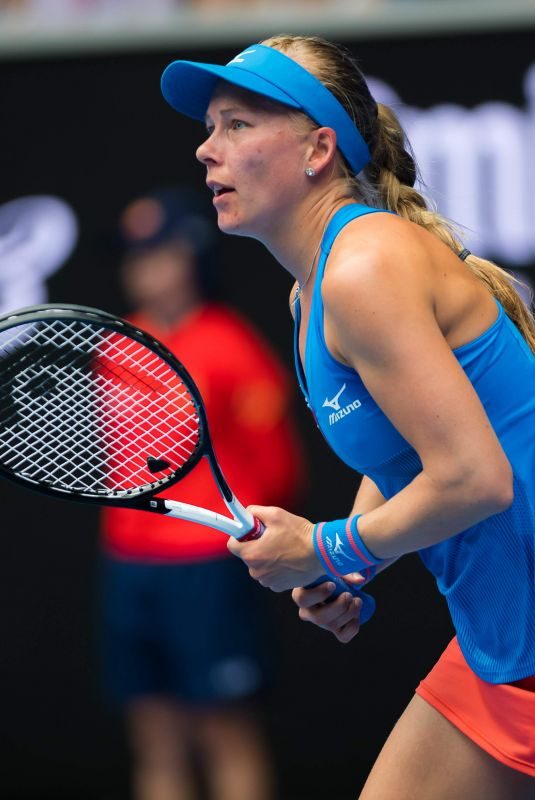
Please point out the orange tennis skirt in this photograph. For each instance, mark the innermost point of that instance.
(500, 718)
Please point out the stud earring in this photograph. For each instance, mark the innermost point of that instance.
(310, 171)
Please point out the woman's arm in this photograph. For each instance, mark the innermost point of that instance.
(381, 318)
(368, 497)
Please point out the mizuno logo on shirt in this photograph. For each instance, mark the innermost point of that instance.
(340, 412)
(335, 402)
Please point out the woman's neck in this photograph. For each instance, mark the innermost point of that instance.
(295, 244)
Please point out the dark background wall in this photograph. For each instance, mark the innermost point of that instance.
(96, 131)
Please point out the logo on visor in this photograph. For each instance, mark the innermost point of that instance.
(239, 58)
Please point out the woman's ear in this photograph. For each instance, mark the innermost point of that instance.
(322, 149)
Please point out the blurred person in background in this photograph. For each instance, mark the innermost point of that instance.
(186, 638)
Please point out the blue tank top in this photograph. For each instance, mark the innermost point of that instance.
(487, 572)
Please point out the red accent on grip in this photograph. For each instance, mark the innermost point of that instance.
(255, 532)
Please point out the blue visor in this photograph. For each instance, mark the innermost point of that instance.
(188, 86)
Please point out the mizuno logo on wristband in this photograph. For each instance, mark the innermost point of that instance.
(338, 548)
(336, 552)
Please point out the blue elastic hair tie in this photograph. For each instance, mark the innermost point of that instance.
(341, 550)
(188, 86)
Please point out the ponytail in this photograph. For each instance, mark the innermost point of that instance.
(393, 173)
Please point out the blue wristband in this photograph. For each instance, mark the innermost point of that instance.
(341, 550)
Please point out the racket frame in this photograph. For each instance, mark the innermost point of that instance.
(242, 524)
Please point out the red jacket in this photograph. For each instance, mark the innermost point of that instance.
(247, 398)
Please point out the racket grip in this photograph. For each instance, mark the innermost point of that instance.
(368, 602)
(256, 531)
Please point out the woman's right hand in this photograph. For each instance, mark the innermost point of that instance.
(340, 616)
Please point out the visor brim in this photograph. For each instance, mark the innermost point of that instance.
(188, 86)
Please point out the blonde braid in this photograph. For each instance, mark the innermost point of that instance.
(390, 158)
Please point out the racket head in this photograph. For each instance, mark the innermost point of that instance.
(94, 408)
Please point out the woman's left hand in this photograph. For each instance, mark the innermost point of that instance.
(284, 556)
(340, 616)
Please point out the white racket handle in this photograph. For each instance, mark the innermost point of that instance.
(243, 526)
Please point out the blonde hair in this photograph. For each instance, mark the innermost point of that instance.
(388, 180)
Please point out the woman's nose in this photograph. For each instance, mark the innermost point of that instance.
(206, 152)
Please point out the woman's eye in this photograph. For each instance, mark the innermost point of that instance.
(237, 124)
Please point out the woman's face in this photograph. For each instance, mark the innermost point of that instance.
(255, 160)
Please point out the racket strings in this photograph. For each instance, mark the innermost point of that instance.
(87, 409)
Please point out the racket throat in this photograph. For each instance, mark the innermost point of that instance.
(240, 525)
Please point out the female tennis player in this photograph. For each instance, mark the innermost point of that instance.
(417, 360)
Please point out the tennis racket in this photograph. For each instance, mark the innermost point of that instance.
(95, 410)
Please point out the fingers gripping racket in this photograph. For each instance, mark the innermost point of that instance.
(96, 410)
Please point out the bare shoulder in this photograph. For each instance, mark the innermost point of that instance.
(379, 253)
(377, 273)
